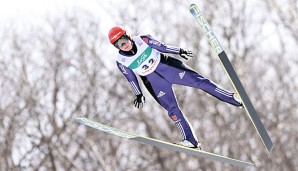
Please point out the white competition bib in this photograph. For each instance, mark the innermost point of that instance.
(144, 61)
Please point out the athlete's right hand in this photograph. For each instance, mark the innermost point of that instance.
(139, 101)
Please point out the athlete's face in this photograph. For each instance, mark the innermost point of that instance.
(124, 44)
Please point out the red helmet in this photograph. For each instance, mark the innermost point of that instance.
(115, 33)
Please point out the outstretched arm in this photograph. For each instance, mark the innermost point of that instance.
(161, 47)
(164, 48)
(132, 79)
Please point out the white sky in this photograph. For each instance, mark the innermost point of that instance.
(34, 10)
(20, 9)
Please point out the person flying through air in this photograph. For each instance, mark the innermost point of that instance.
(147, 57)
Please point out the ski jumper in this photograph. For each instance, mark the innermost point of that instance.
(159, 72)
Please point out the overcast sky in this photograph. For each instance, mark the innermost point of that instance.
(32, 11)
(16, 9)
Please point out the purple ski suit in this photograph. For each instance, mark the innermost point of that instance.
(167, 72)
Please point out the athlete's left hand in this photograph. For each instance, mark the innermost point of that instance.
(185, 53)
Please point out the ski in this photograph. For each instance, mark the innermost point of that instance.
(249, 108)
(162, 144)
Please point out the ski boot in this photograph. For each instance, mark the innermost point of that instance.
(237, 98)
(186, 143)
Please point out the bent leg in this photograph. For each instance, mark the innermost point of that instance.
(197, 81)
(163, 93)
(177, 72)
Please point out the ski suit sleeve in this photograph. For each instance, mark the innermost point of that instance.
(161, 47)
(131, 78)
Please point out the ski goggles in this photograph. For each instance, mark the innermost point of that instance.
(121, 42)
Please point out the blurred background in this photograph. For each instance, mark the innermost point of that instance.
(56, 64)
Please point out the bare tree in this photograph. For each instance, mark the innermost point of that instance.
(64, 69)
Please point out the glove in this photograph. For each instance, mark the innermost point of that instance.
(139, 101)
(185, 53)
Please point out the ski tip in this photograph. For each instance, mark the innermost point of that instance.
(193, 8)
(80, 119)
(192, 5)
